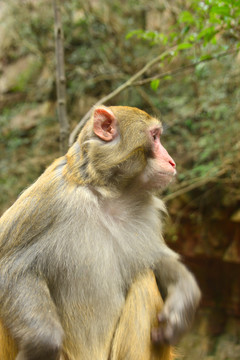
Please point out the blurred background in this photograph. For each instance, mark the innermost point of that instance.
(194, 87)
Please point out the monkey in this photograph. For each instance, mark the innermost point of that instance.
(82, 255)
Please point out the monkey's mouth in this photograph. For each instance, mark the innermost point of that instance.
(167, 173)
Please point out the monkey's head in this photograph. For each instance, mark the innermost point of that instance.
(121, 145)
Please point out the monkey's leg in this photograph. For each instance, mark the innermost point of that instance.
(132, 339)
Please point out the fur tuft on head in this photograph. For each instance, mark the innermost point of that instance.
(115, 149)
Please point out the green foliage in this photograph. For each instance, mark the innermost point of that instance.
(184, 46)
(207, 18)
(24, 78)
(205, 132)
(153, 37)
(199, 106)
(12, 138)
(205, 30)
(155, 84)
(198, 26)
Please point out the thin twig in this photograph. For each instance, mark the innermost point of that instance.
(119, 89)
(132, 82)
(60, 79)
(194, 185)
(183, 68)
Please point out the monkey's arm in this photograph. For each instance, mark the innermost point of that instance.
(182, 298)
(29, 313)
(27, 309)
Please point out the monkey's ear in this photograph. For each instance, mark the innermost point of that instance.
(104, 123)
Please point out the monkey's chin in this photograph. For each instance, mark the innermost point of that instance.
(159, 181)
(163, 179)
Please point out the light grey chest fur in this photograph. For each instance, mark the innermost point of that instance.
(108, 241)
(99, 247)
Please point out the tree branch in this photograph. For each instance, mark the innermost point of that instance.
(122, 87)
(183, 68)
(60, 79)
(194, 185)
(132, 82)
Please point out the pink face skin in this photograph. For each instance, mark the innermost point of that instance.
(161, 168)
(164, 160)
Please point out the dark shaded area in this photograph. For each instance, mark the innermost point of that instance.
(219, 282)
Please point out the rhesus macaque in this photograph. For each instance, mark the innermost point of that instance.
(82, 248)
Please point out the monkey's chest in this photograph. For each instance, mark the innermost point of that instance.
(91, 305)
(96, 261)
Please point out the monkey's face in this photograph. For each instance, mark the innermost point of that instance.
(125, 147)
(160, 168)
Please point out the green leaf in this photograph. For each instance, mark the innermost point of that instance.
(221, 10)
(133, 33)
(162, 38)
(184, 46)
(186, 17)
(167, 77)
(205, 57)
(214, 40)
(186, 29)
(155, 84)
(207, 33)
(192, 38)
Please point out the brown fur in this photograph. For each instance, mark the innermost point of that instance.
(8, 347)
(131, 338)
(77, 250)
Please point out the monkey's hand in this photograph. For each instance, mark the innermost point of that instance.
(179, 309)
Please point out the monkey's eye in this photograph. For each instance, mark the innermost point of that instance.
(155, 134)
